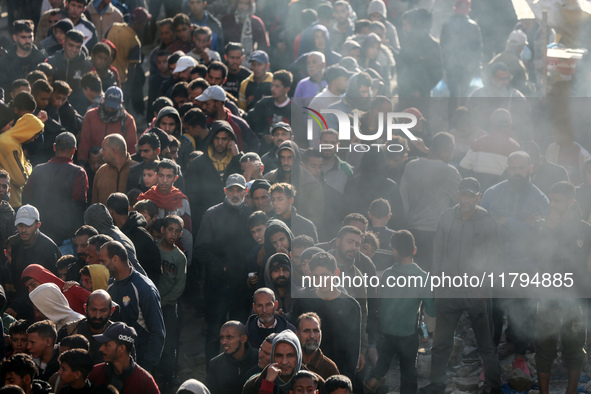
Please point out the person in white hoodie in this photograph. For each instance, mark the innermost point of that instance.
(50, 301)
(192, 386)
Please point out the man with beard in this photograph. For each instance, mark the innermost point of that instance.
(310, 336)
(207, 173)
(94, 246)
(346, 249)
(278, 279)
(517, 205)
(221, 247)
(227, 372)
(23, 57)
(139, 301)
(236, 71)
(81, 237)
(98, 310)
(259, 193)
(264, 355)
(265, 322)
(280, 132)
(466, 242)
(286, 362)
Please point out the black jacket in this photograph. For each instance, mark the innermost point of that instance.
(148, 253)
(253, 332)
(14, 67)
(205, 188)
(226, 375)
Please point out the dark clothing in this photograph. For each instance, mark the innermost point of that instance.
(87, 389)
(265, 114)
(14, 67)
(217, 32)
(299, 225)
(148, 253)
(226, 375)
(52, 367)
(322, 365)
(270, 160)
(133, 380)
(72, 71)
(61, 208)
(233, 81)
(406, 348)
(547, 174)
(7, 227)
(140, 308)
(256, 335)
(255, 383)
(44, 252)
(81, 327)
(341, 342)
(233, 31)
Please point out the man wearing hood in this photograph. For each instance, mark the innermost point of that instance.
(357, 97)
(317, 38)
(310, 198)
(69, 65)
(169, 120)
(12, 158)
(63, 207)
(139, 301)
(213, 99)
(265, 321)
(245, 27)
(57, 36)
(109, 118)
(112, 176)
(51, 303)
(221, 247)
(98, 310)
(94, 277)
(278, 278)
(278, 238)
(207, 173)
(98, 216)
(286, 362)
(193, 386)
(227, 372)
(133, 224)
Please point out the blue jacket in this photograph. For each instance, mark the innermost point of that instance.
(503, 201)
(140, 308)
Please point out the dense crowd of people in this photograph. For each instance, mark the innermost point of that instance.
(218, 193)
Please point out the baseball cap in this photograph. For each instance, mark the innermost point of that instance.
(27, 214)
(184, 63)
(260, 57)
(333, 72)
(117, 331)
(469, 184)
(259, 184)
(213, 93)
(279, 260)
(139, 15)
(236, 180)
(517, 37)
(280, 125)
(113, 97)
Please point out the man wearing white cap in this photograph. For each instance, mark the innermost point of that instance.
(29, 246)
(183, 68)
(212, 100)
(512, 58)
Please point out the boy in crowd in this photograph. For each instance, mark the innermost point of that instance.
(18, 336)
(150, 173)
(42, 336)
(149, 209)
(75, 365)
(171, 287)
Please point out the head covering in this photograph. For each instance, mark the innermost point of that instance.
(336, 71)
(462, 7)
(50, 301)
(64, 25)
(213, 93)
(259, 184)
(274, 226)
(184, 63)
(194, 386)
(348, 45)
(311, 251)
(27, 215)
(236, 180)
(279, 260)
(517, 38)
(259, 57)
(119, 331)
(289, 337)
(99, 275)
(139, 15)
(469, 184)
(377, 7)
(113, 97)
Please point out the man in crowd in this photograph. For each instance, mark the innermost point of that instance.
(265, 321)
(234, 56)
(282, 198)
(310, 336)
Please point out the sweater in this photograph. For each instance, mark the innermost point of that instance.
(174, 275)
(109, 179)
(94, 131)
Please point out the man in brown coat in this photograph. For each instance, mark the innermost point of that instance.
(112, 176)
(310, 336)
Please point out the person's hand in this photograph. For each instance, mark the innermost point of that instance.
(69, 284)
(42, 115)
(372, 356)
(272, 372)
(361, 362)
(283, 250)
(233, 148)
(552, 220)
(420, 145)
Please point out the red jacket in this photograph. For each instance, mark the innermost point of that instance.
(94, 131)
(138, 381)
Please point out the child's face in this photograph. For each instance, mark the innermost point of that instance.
(172, 233)
(86, 282)
(100, 60)
(150, 178)
(62, 273)
(19, 342)
(66, 374)
(162, 64)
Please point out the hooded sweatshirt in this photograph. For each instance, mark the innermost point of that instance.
(99, 275)
(53, 304)
(307, 44)
(12, 158)
(289, 337)
(186, 145)
(98, 216)
(75, 295)
(194, 386)
(285, 303)
(352, 100)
